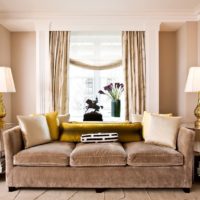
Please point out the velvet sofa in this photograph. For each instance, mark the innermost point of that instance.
(98, 165)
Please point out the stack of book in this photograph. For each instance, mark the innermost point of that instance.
(2, 165)
(2, 157)
(198, 170)
(5, 126)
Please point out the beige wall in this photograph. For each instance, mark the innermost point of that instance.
(167, 74)
(186, 57)
(178, 52)
(23, 53)
(5, 59)
(198, 32)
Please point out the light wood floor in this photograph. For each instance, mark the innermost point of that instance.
(90, 194)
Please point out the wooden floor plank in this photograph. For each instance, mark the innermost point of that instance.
(4, 194)
(166, 194)
(57, 194)
(87, 194)
(29, 194)
(114, 194)
(136, 194)
(195, 191)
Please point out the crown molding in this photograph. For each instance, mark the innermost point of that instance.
(42, 25)
(24, 21)
(61, 15)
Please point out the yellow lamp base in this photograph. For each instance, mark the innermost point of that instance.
(197, 124)
(2, 122)
(197, 113)
(2, 110)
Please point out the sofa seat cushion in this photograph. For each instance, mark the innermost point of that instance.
(142, 154)
(98, 154)
(51, 154)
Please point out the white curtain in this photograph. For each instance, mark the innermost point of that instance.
(134, 63)
(59, 62)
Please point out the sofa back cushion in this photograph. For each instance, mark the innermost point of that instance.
(127, 132)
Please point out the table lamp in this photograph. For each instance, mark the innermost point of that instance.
(6, 85)
(193, 85)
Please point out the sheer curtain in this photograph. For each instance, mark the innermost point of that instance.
(134, 63)
(59, 63)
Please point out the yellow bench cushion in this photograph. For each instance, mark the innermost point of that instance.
(128, 132)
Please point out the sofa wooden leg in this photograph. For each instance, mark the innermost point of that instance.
(12, 189)
(100, 190)
(186, 190)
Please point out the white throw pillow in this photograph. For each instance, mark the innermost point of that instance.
(146, 121)
(63, 118)
(34, 129)
(163, 130)
(136, 118)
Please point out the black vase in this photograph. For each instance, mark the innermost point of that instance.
(115, 108)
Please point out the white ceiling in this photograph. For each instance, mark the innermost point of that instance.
(97, 6)
(21, 15)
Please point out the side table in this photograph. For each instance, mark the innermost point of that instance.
(196, 169)
(3, 127)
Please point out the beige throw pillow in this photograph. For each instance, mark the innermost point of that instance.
(146, 121)
(163, 130)
(34, 129)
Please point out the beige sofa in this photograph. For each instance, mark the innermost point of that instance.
(105, 165)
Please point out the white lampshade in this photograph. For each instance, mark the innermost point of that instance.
(193, 80)
(6, 80)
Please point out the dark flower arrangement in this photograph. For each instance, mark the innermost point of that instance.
(113, 90)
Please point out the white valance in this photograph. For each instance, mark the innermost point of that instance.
(111, 65)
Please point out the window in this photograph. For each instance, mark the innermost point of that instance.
(96, 48)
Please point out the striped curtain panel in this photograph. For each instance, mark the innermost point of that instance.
(59, 62)
(134, 63)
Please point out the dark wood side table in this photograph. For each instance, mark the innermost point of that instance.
(4, 127)
(196, 169)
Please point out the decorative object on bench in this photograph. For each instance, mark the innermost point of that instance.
(93, 115)
(99, 137)
(114, 91)
(7, 85)
(193, 85)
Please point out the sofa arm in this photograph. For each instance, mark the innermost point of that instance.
(186, 143)
(185, 146)
(13, 143)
